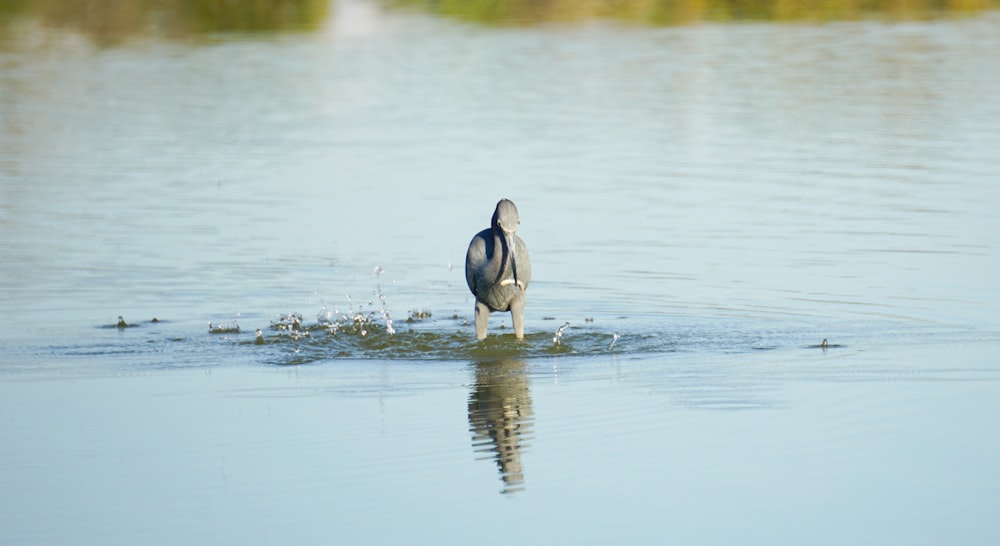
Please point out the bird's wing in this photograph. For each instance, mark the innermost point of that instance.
(475, 259)
(523, 263)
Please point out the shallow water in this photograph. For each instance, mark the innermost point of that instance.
(703, 205)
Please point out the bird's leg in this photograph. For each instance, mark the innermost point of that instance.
(482, 318)
(517, 314)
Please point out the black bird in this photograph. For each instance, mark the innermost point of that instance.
(497, 269)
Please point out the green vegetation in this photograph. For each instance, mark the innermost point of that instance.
(108, 22)
(677, 12)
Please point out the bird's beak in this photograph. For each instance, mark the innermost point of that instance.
(511, 238)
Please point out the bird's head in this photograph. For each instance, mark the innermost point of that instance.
(505, 218)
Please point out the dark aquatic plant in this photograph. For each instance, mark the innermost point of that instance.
(363, 334)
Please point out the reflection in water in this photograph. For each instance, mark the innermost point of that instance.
(109, 22)
(500, 417)
(673, 12)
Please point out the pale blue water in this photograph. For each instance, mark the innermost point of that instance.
(720, 197)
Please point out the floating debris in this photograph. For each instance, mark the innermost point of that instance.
(825, 344)
(418, 314)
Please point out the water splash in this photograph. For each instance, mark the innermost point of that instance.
(361, 332)
(350, 326)
(326, 315)
(381, 298)
(557, 338)
(224, 327)
(290, 324)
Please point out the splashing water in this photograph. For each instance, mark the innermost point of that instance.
(288, 322)
(381, 298)
(367, 331)
(224, 327)
(326, 316)
(557, 339)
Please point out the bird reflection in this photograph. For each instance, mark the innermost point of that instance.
(500, 417)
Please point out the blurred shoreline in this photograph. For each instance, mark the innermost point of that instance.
(107, 23)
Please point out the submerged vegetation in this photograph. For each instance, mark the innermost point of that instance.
(677, 12)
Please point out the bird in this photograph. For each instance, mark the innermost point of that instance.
(121, 322)
(497, 269)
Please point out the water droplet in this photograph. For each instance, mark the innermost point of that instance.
(378, 271)
(385, 306)
(557, 338)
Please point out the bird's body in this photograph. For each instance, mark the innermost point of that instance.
(497, 269)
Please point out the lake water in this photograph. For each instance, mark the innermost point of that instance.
(703, 204)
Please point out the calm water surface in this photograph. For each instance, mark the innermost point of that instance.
(703, 205)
